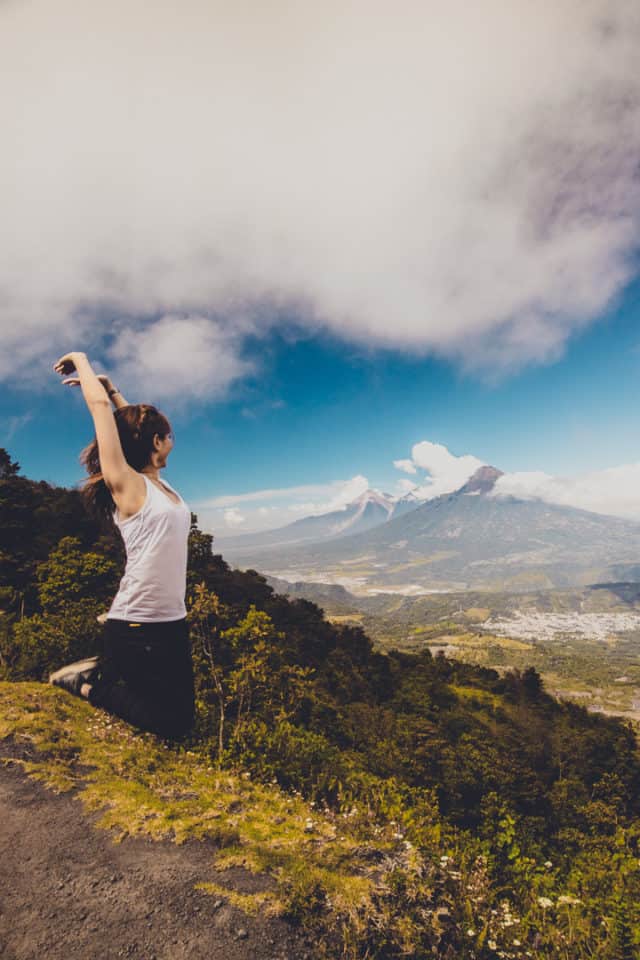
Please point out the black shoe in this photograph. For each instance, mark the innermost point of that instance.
(75, 674)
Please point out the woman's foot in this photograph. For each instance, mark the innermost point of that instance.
(77, 677)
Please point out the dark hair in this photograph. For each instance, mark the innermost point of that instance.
(137, 424)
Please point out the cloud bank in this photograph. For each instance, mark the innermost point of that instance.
(265, 509)
(614, 491)
(457, 178)
(437, 471)
(445, 471)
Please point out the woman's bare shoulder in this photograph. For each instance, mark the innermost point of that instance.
(130, 497)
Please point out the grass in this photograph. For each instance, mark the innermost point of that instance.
(140, 786)
(477, 614)
(477, 694)
(479, 640)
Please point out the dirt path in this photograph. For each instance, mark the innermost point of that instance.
(67, 891)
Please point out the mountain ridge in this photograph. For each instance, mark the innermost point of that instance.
(468, 538)
(366, 511)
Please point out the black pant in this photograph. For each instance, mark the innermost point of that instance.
(146, 676)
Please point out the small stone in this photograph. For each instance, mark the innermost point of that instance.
(217, 904)
(241, 933)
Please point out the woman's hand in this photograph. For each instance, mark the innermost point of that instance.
(93, 388)
(102, 377)
(68, 363)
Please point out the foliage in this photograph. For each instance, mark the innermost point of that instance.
(44, 641)
(70, 574)
(464, 812)
(622, 947)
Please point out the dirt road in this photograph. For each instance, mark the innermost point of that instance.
(67, 891)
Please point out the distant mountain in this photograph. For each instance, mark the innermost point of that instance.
(409, 502)
(483, 481)
(470, 538)
(368, 510)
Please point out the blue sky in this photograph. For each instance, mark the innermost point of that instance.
(275, 224)
(318, 411)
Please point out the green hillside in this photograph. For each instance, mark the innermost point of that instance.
(599, 670)
(404, 804)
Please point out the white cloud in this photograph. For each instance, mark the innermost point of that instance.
(614, 491)
(460, 179)
(405, 486)
(335, 494)
(264, 509)
(233, 518)
(344, 494)
(12, 425)
(407, 465)
(446, 472)
(177, 356)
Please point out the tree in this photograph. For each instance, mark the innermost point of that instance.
(8, 467)
(204, 613)
(262, 680)
(70, 574)
(42, 642)
(622, 947)
(532, 683)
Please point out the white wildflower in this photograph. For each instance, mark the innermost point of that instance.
(544, 902)
(570, 901)
(470, 932)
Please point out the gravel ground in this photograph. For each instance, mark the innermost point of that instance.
(68, 891)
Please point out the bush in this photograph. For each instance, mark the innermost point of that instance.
(44, 642)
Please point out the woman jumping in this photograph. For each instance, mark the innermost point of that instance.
(145, 675)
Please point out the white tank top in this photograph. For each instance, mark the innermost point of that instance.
(155, 577)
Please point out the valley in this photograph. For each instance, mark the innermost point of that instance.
(584, 643)
(492, 580)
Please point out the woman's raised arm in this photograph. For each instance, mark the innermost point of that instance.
(117, 473)
(113, 393)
